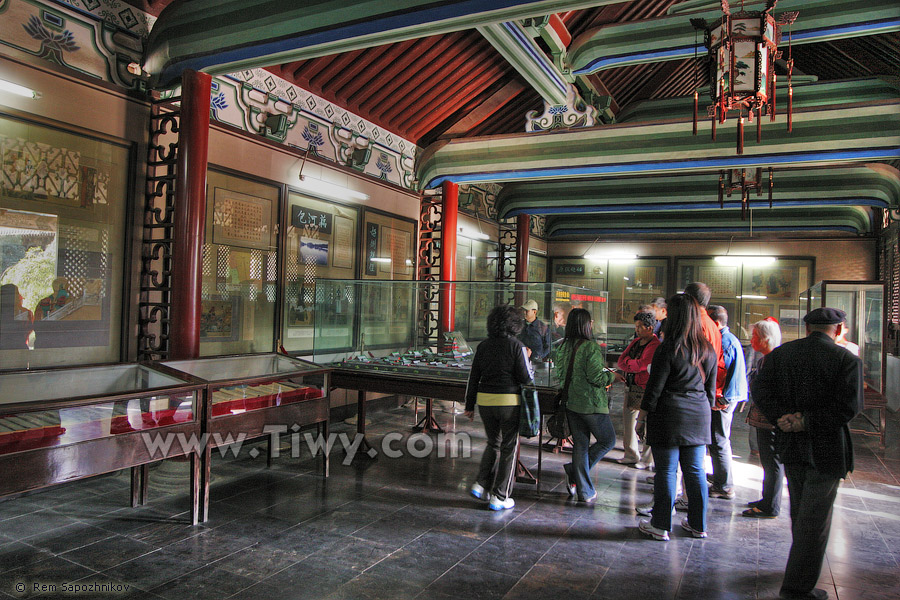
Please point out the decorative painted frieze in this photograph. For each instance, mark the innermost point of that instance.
(71, 36)
(575, 113)
(246, 100)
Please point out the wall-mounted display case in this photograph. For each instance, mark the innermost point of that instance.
(397, 326)
(63, 424)
(255, 395)
(863, 301)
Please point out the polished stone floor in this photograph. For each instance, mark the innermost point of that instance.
(405, 527)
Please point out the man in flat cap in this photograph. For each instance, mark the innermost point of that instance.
(811, 388)
(536, 334)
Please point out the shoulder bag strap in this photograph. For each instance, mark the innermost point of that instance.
(575, 348)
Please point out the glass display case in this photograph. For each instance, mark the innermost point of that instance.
(255, 395)
(403, 328)
(863, 301)
(63, 424)
(242, 383)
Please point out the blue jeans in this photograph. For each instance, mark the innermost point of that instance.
(720, 449)
(584, 454)
(691, 459)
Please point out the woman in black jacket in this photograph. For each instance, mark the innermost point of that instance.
(500, 367)
(677, 410)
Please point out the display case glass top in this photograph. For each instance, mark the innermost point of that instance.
(85, 382)
(403, 327)
(55, 407)
(863, 301)
(237, 384)
(227, 368)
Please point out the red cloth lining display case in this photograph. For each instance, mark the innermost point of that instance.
(251, 396)
(63, 424)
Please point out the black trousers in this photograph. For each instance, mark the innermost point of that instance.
(773, 472)
(498, 463)
(720, 449)
(812, 499)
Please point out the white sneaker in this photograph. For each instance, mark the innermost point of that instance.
(479, 492)
(639, 466)
(681, 503)
(687, 527)
(498, 504)
(649, 530)
(647, 510)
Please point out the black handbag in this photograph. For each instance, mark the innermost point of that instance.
(558, 423)
(529, 413)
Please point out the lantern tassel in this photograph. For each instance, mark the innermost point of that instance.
(714, 120)
(774, 87)
(771, 185)
(759, 123)
(696, 101)
(790, 110)
(721, 190)
(740, 136)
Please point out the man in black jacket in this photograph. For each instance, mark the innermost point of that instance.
(811, 388)
(536, 334)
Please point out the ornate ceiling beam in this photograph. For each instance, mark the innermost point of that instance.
(823, 135)
(520, 50)
(668, 38)
(224, 36)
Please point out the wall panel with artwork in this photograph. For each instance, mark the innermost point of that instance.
(239, 286)
(321, 241)
(63, 205)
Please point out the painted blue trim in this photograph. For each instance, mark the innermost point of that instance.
(813, 34)
(808, 36)
(585, 211)
(568, 232)
(215, 57)
(676, 165)
(599, 64)
(538, 58)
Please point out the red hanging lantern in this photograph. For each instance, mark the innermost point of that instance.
(739, 180)
(742, 48)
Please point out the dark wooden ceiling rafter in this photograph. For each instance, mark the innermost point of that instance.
(398, 68)
(464, 89)
(408, 78)
(385, 56)
(442, 77)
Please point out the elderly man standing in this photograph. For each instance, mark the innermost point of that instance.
(811, 388)
(536, 334)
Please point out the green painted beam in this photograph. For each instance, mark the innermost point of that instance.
(877, 186)
(526, 57)
(849, 219)
(224, 36)
(842, 134)
(673, 38)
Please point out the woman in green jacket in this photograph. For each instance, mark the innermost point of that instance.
(588, 404)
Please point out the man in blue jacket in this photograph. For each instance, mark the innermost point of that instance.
(811, 388)
(734, 392)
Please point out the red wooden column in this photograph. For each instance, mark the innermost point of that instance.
(449, 228)
(523, 233)
(190, 215)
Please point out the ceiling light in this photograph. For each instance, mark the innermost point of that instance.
(472, 234)
(623, 256)
(19, 90)
(750, 261)
(330, 190)
(380, 259)
(751, 297)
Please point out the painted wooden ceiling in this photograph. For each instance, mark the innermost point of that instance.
(441, 83)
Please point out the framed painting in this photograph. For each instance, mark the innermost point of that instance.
(775, 283)
(220, 320)
(241, 220)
